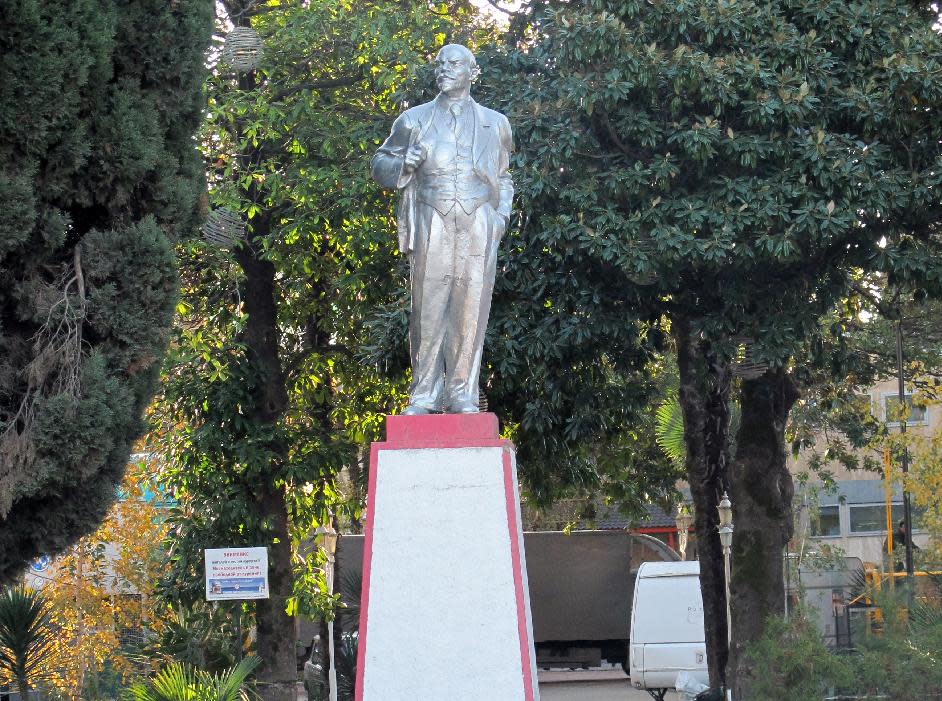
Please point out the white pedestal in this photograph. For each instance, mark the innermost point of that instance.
(445, 611)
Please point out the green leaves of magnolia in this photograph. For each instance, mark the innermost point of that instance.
(738, 163)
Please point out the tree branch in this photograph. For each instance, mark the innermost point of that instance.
(888, 312)
(79, 275)
(613, 135)
(509, 13)
(318, 85)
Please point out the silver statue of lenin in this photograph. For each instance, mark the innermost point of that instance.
(449, 158)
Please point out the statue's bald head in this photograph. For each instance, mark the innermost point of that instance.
(460, 49)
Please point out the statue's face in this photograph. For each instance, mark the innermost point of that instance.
(453, 71)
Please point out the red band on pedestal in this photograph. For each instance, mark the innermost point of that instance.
(440, 430)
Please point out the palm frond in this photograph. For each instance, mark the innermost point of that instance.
(26, 635)
(351, 585)
(175, 682)
(179, 681)
(229, 685)
(669, 430)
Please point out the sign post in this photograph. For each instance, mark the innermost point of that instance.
(236, 574)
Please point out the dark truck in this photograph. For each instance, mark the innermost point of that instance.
(581, 584)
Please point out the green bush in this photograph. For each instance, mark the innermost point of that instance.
(200, 635)
(902, 661)
(795, 664)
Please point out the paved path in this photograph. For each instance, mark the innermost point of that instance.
(579, 691)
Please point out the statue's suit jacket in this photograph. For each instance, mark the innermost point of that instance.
(493, 144)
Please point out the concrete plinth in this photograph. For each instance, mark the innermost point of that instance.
(445, 606)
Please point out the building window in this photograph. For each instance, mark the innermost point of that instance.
(871, 518)
(916, 413)
(827, 522)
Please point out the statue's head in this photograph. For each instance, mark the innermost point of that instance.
(455, 69)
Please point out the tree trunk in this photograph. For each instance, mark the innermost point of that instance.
(338, 622)
(704, 400)
(276, 638)
(23, 687)
(275, 631)
(762, 515)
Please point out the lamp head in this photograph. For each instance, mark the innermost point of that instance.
(725, 509)
(683, 519)
(328, 537)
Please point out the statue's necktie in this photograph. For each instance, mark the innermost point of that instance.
(455, 109)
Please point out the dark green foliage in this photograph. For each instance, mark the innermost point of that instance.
(99, 100)
(726, 163)
(570, 358)
(900, 661)
(743, 157)
(794, 663)
(202, 636)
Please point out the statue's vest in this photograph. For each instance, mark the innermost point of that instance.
(447, 176)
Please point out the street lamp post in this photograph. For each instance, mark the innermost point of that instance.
(329, 542)
(683, 519)
(725, 509)
(907, 506)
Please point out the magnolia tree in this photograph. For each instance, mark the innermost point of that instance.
(730, 168)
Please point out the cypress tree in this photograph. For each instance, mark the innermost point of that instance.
(99, 174)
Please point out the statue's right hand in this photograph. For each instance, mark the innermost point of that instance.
(414, 157)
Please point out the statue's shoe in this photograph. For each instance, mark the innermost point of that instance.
(416, 410)
(468, 408)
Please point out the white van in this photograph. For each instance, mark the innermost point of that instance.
(667, 626)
